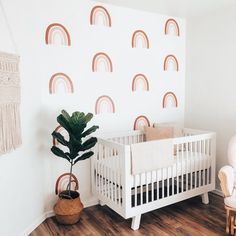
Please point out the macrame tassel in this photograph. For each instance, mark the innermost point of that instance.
(10, 131)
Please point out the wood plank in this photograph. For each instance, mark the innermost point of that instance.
(185, 218)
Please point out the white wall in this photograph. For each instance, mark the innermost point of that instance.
(211, 77)
(21, 171)
(76, 62)
(28, 175)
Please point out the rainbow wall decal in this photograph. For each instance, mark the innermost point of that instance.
(59, 129)
(104, 104)
(99, 12)
(140, 36)
(102, 60)
(140, 79)
(58, 79)
(140, 122)
(57, 30)
(172, 27)
(169, 100)
(171, 63)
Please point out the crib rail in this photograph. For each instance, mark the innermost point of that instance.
(192, 173)
(107, 172)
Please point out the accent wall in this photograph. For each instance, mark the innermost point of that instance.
(125, 66)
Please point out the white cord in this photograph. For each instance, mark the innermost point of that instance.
(9, 28)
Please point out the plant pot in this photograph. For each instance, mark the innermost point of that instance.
(68, 210)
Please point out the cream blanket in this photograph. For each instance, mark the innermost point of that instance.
(152, 155)
(10, 131)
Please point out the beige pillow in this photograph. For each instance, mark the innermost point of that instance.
(178, 131)
(154, 133)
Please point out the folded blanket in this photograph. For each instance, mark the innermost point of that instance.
(152, 155)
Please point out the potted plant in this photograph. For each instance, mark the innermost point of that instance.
(76, 148)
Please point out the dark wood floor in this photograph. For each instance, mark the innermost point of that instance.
(189, 217)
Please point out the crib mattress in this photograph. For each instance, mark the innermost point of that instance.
(187, 162)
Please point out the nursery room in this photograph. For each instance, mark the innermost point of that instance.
(117, 117)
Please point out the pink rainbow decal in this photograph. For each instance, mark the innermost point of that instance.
(59, 30)
(171, 62)
(102, 59)
(141, 121)
(104, 102)
(172, 27)
(96, 13)
(60, 78)
(59, 129)
(169, 99)
(140, 79)
(140, 35)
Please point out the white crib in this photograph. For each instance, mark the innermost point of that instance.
(192, 174)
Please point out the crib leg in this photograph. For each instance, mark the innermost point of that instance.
(136, 222)
(101, 203)
(205, 198)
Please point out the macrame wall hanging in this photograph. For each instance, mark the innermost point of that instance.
(10, 130)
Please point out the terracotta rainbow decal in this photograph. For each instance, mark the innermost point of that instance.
(59, 129)
(57, 30)
(58, 79)
(169, 100)
(172, 27)
(63, 182)
(104, 104)
(138, 80)
(102, 60)
(99, 12)
(140, 36)
(171, 63)
(140, 122)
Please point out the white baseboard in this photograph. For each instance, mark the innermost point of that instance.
(33, 226)
(218, 192)
(43, 217)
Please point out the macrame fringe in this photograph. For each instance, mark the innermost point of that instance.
(10, 130)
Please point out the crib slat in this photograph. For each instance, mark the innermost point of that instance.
(146, 188)
(187, 166)
(157, 185)
(135, 190)
(141, 189)
(195, 165)
(191, 165)
(177, 164)
(162, 182)
(152, 186)
(182, 169)
(204, 161)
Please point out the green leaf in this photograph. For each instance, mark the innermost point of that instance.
(65, 123)
(86, 155)
(58, 152)
(89, 131)
(89, 143)
(59, 138)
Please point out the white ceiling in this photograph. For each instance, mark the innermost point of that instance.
(178, 8)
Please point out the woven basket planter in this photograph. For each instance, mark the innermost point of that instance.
(68, 211)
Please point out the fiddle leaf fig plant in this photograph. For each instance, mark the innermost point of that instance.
(78, 146)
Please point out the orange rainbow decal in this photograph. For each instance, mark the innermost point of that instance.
(102, 60)
(59, 129)
(57, 30)
(171, 63)
(169, 100)
(104, 104)
(172, 27)
(98, 13)
(141, 121)
(58, 79)
(140, 36)
(140, 79)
